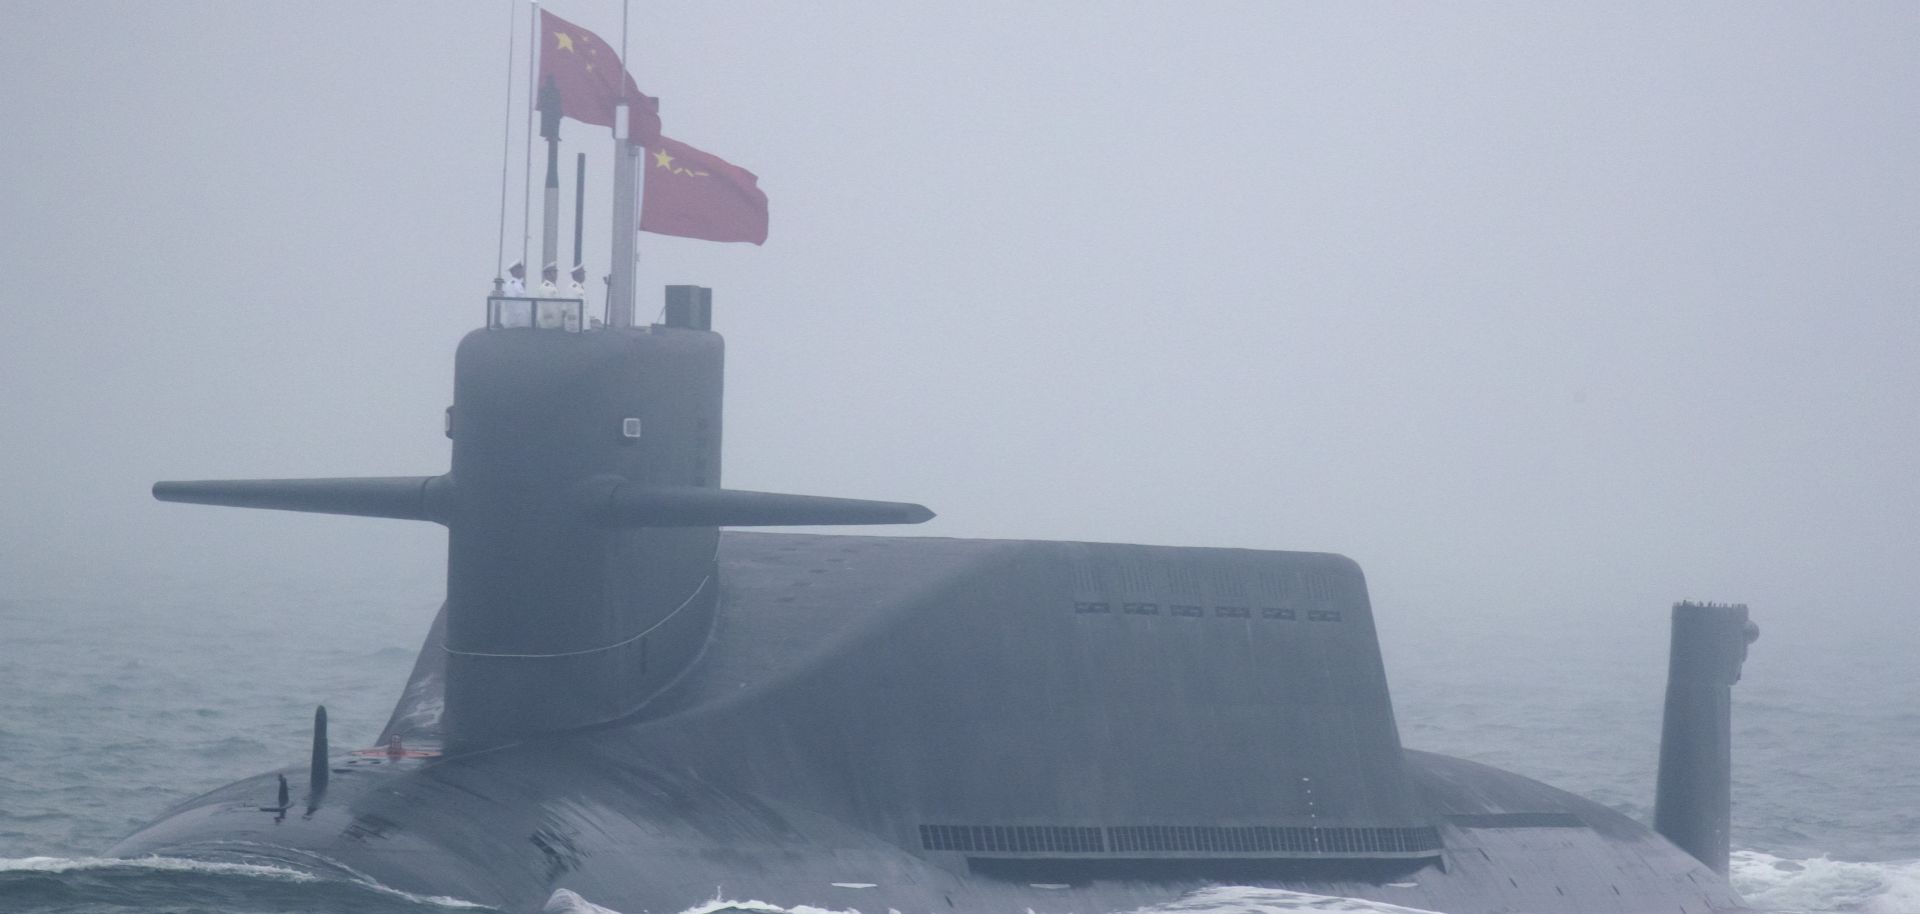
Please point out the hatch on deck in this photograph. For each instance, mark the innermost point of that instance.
(506, 312)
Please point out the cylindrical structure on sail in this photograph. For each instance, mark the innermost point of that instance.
(626, 224)
(579, 206)
(550, 113)
(550, 227)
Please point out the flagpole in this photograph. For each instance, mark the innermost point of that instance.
(639, 202)
(533, 79)
(639, 155)
(506, 157)
(550, 224)
(640, 152)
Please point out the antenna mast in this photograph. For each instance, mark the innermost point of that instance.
(627, 189)
(579, 204)
(506, 157)
(533, 76)
(550, 131)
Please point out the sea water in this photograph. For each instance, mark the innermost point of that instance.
(119, 698)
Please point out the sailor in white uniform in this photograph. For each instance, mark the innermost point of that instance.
(577, 289)
(514, 313)
(550, 315)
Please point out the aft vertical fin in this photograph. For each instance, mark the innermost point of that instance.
(1693, 800)
(317, 768)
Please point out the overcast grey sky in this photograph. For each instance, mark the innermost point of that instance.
(1563, 310)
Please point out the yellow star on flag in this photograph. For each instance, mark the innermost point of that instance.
(562, 41)
(662, 160)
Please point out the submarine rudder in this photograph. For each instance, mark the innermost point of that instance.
(1693, 794)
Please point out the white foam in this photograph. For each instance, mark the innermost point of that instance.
(169, 864)
(719, 903)
(567, 901)
(438, 901)
(369, 882)
(1236, 899)
(1211, 900)
(1824, 884)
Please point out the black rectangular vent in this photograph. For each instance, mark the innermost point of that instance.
(1015, 839)
(1259, 839)
(690, 307)
(1518, 820)
(1193, 612)
(1086, 607)
(1272, 840)
(1233, 612)
(1323, 615)
(1274, 613)
(1141, 609)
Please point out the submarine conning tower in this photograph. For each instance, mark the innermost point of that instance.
(582, 509)
(558, 614)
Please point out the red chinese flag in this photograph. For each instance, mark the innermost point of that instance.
(591, 81)
(694, 194)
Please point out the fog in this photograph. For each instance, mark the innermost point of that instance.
(1540, 312)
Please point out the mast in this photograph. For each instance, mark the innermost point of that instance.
(506, 158)
(579, 204)
(533, 75)
(626, 221)
(550, 130)
(627, 188)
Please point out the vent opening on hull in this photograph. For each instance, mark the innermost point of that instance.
(1018, 839)
(1517, 820)
(1186, 840)
(1079, 871)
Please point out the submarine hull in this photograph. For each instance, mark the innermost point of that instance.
(509, 828)
(929, 724)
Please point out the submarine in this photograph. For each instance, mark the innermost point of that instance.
(628, 698)
(620, 700)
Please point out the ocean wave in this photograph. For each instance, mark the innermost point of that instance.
(113, 884)
(151, 864)
(1823, 884)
